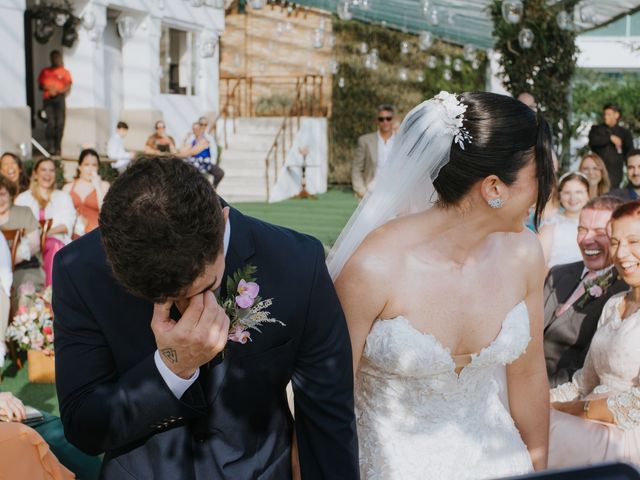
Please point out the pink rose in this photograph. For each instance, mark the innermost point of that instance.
(247, 293)
(596, 291)
(47, 330)
(239, 335)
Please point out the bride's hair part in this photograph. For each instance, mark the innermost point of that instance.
(506, 135)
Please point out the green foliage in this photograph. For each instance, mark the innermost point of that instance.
(353, 106)
(592, 90)
(274, 105)
(545, 69)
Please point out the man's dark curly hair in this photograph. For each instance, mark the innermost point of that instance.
(161, 224)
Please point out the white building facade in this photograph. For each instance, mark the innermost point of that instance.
(138, 61)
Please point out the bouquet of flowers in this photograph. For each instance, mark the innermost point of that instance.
(32, 326)
(245, 309)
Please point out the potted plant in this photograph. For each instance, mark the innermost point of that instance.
(32, 330)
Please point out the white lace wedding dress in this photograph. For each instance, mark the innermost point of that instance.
(418, 419)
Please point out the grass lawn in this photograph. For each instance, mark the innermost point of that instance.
(323, 218)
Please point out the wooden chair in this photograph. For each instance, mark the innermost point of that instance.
(45, 226)
(13, 237)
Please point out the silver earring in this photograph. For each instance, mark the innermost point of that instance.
(496, 203)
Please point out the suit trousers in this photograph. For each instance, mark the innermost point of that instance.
(55, 107)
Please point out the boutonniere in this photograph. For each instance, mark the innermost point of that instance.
(595, 288)
(244, 307)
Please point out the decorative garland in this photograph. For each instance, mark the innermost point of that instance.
(50, 15)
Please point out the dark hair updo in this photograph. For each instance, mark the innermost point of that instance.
(505, 136)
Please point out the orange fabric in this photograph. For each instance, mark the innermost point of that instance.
(87, 208)
(24, 454)
(56, 77)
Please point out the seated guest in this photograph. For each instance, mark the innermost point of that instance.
(596, 416)
(160, 142)
(631, 190)
(596, 171)
(50, 428)
(15, 217)
(11, 167)
(115, 148)
(199, 151)
(46, 202)
(24, 454)
(558, 236)
(571, 312)
(87, 192)
(6, 279)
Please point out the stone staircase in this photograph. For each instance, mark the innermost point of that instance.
(243, 161)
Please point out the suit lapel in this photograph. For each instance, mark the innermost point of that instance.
(240, 249)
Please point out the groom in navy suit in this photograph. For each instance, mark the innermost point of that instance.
(144, 371)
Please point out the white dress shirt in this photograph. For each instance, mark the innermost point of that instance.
(117, 152)
(176, 384)
(384, 148)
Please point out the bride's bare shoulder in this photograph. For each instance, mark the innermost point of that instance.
(525, 248)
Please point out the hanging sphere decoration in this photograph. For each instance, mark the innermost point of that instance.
(512, 11)
(420, 77)
(403, 75)
(365, 5)
(433, 17)
(469, 52)
(447, 75)
(475, 64)
(424, 6)
(525, 38)
(447, 60)
(334, 66)
(341, 82)
(344, 10)
(457, 65)
(404, 47)
(425, 40)
(364, 48)
(587, 14)
(563, 19)
(432, 62)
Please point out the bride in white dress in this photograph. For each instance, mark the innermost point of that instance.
(444, 304)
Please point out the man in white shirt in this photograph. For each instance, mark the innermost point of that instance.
(372, 152)
(116, 150)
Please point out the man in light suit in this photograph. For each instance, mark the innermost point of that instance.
(372, 152)
(572, 307)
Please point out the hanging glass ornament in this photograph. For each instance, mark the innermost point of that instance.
(512, 11)
(365, 5)
(588, 14)
(433, 18)
(420, 77)
(403, 75)
(364, 48)
(424, 6)
(355, 3)
(451, 18)
(457, 65)
(404, 47)
(469, 52)
(334, 66)
(344, 10)
(61, 18)
(475, 64)
(563, 19)
(447, 74)
(317, 38)
(341, 82)
(432, 62)
(447, 60)
(525, 38)
(425, 40)
(367, 62)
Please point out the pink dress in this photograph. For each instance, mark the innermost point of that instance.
(51, 247)
(611, 370)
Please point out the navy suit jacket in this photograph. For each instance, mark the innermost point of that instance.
(233, 422)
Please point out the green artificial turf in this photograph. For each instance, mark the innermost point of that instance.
(323, 218)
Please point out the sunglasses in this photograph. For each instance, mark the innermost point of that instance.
(385, 119)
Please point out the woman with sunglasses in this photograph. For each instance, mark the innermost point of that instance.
(159, 142)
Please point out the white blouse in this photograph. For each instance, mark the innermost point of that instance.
(60, 208)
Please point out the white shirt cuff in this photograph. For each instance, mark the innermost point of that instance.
(176, 384)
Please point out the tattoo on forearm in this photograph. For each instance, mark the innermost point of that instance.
(170, 354)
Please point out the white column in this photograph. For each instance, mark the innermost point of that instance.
(15, 127)
(87, 118)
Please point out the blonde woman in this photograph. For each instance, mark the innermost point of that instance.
(48, 203)
(558, 237)
(596, 171)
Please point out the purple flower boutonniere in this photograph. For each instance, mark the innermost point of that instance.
(596, 288)
(244, 307)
